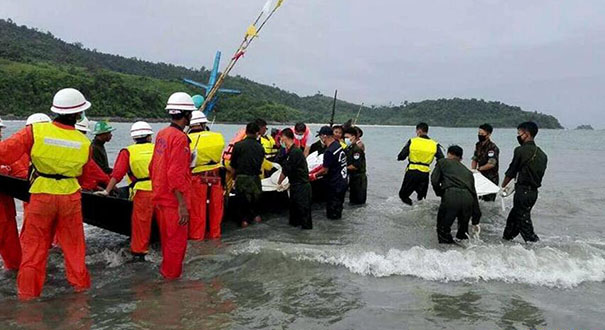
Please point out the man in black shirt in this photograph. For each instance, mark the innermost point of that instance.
(455, 184)
(335, 170)
(295, 168)
(485, 159)
(103, 135)
(528, 167)
(246, 161)
(356, 160)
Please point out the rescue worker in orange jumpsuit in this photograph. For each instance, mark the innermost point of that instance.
(10, 248)
(171, 180)
(59, 154)
(207, 197)
(134, 161)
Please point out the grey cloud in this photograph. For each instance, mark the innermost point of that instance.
(543, 55)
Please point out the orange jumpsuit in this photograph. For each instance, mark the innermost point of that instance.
(169, 171)
(46, 215)
(142, 211)
(207, 202)
(10, 248)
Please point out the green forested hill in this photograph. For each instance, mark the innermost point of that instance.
(34, 65)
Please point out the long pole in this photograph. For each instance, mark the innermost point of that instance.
(239, 53)
(333, 108)
(358, 112)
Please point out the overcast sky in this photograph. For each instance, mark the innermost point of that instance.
(543, 55)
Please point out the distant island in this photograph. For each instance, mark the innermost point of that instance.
(35, 64)
(585, 127)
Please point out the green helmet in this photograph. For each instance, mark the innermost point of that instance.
(102, 127)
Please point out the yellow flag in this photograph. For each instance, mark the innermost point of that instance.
(279, 2)
(251, 32)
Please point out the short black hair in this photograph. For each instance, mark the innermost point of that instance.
(455, 150)
(530, 127)
(352, 131)
(141, 139)
(252, 128)
(300, 127)
(487, 127)
(338, 127)
(359, 131)
(180, 115)
(260, 122)
(287, 132)
(424, 127)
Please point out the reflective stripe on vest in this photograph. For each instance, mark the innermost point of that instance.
(58, 155)
(269, 145)
(209, 146)
(139, 160)
(422, 153)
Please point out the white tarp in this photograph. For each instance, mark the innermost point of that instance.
(270, 184)
(484, 186)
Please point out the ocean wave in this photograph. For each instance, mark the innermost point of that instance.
(538, 265)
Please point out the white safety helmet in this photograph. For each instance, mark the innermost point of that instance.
(140, 129)
(83, 125)
(198, 117)
(37, 118)
(68, 101)
(178, 102)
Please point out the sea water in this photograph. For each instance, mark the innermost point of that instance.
(380, 267)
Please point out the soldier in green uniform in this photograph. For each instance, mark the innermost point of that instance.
(485, 159)
(103, 135)
(528, 167)
(296, 169)
(455, 184)
(246, 162)
(356, 165)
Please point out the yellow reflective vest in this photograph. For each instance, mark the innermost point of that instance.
(268, 143)
(209, 146)
(139, 156)
(58, 156)
(422, 154)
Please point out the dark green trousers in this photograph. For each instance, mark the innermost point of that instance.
(455, 204)
(248, 190)
(519, 218)
(358, 188)
(300, 206)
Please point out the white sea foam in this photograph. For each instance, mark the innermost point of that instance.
(543, 266)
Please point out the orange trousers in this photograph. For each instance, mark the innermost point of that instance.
(10, 247)
(207, 200)
(173, 238)
(142, 216)
(46, 216)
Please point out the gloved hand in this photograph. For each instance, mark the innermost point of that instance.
(475, 231)
(5, 169)
(101, 193)
(315, 170)
(507, 191)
